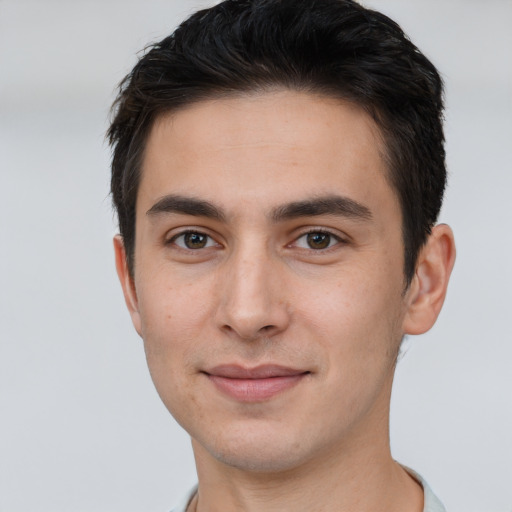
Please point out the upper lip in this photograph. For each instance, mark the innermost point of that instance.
(233, 371)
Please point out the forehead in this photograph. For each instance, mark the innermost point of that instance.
(265, 148)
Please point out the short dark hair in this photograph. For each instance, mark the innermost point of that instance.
(335, 48)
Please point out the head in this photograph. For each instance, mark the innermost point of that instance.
(278, 169)
(332, 48)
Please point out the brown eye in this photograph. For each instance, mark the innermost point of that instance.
(193, 240)
(318, 240)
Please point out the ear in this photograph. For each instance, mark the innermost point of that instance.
(427, 290)
(130, 295)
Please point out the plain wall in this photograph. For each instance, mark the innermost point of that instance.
(81, 427)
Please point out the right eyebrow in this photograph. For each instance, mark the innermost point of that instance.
(186, 205)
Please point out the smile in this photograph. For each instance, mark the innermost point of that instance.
(255, 384)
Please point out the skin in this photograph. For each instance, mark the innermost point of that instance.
(254, 288)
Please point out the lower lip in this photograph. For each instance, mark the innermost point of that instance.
(255, 390)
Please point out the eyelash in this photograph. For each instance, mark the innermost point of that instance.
(313, 231)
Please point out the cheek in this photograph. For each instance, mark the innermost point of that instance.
(172, 316)
(353, 312)
(171, 322)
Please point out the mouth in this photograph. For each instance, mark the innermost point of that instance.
(254, 384)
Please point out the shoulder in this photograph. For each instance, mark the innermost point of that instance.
(431, 503)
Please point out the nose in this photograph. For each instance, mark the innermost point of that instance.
(253, 304)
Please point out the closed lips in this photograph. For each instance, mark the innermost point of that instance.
(254, 384)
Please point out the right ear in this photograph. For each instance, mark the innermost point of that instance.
(130, 295)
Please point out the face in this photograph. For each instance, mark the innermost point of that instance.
(268, 283)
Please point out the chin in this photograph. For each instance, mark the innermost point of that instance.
(258, 460)
(258, 452)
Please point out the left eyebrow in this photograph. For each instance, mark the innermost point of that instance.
(330, 205)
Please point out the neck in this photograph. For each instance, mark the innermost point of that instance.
(363, 480)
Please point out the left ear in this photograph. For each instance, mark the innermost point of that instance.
(427, 290)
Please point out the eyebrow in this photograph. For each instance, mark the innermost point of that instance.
(328, 205)
(186, 205)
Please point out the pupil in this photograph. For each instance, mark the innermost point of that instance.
(195, 240)
(318, 240)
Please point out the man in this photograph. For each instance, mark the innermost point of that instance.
(278, 169)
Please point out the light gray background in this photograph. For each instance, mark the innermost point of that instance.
(81, 427)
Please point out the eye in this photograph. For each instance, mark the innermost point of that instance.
(317, 240)
(193, 240)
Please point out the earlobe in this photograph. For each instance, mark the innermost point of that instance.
(428, 288)
(127, 284)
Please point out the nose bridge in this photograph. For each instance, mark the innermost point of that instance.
(252, 302)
